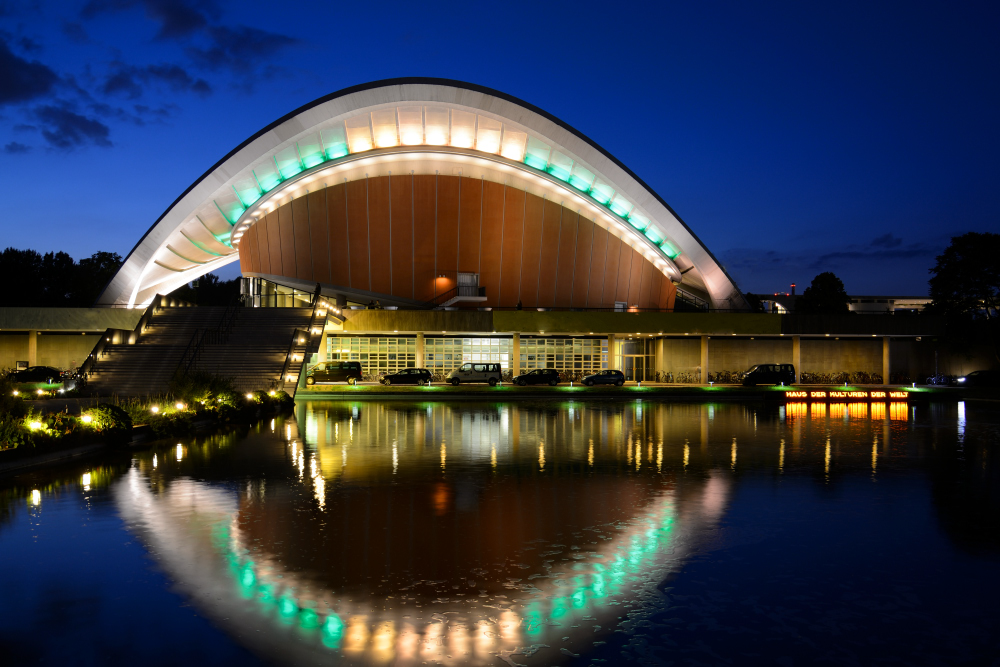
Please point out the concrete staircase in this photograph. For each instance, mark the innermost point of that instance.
(252, 352)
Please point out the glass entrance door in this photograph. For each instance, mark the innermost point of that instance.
(634, 367)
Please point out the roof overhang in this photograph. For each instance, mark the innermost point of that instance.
(404, 126)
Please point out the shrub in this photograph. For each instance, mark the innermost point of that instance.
(113, 422)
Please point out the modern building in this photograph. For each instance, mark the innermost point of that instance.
(486, 230)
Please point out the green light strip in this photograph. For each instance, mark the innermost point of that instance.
(199, 246)
(186, 259)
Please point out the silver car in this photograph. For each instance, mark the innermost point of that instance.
(475, 373)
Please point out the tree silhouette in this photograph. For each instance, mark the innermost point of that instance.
(825, 296)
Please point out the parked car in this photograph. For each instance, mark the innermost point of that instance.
(769, 374)
(980, 379)
(334, 371)
(610, 376)
(475, 373)
(46, 374)
(549, 376)
(408, 376)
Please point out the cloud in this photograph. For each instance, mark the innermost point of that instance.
(29, 45)
(887, 241)
(240, 48)
(177, 18)
(67, 129)
(126, 80)
(74, 32)
(15, 148)
(23, 80)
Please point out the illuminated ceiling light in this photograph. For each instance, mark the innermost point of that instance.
(513, 145)
(463, 129)
(384, 124)
(436, 126)
(488, 135)
(411, 126)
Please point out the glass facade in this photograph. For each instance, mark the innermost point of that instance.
(564, 354)
(377, 354)
(444, 354)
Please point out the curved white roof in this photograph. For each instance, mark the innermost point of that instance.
(419, 126)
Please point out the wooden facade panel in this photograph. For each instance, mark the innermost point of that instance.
(598, 259)
(395, 236)
(612, 262)
(569, 230)
(510, 250)
(581, 271)
(531, 249)
(423, 239)
(274, 243)
(469, 223)
(668, 294)
(288, 267)
(447, 228)
(624, 273)
(646, 283)
(378, 234)
(357, 233)
(548, 267)
(319, 236)
(401, 245)
(340, 246)
(635, 278)
(303, 242)
(656, 281)
(489, 276)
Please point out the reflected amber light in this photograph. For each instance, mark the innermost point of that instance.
(796, 409)
(383, 640)
(857, 410)
(817, 410)
(838, 410)
(441, 498)
(878, 410)
(898, 411)
(356, 636)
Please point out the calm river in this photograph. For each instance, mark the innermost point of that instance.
(582, 533)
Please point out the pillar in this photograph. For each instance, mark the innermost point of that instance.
(32, 348)
(704, 359)
(797, 356)
(419, 362)
(885, 360)
(321, 353)
(659, 362)
(515, 350)
(612, 358)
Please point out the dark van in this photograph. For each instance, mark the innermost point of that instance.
(334, 371)
(769, 374)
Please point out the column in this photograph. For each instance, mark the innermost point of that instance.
(321, 353)
(419, 362)
(797, 356)
(612, 360)
(32, 348)
(885, 360)
(515, 351)
(704, 359)
(659, 362)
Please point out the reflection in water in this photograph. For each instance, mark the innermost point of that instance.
(459, 534)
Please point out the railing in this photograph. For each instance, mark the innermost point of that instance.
(215, 336)
(88, 365)
(307, 344)
(294, 299)
(144, 321)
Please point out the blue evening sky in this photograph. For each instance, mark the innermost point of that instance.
(793, 138)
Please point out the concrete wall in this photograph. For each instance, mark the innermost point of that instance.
(68, 319)
(741, 354)
(681, 355)
(847, 354)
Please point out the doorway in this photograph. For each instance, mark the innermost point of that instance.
(634, 367)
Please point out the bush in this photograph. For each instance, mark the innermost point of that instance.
(197, 387)
(113, 422)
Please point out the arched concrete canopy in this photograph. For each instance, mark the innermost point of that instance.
(420, 125)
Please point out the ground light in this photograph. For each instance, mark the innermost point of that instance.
(154, 409)
(35, 426)
(179, 405)
(249, 397)
(40, 392)
(16, 392)
(86, 419)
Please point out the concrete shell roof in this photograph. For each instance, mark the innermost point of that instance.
(419, 124)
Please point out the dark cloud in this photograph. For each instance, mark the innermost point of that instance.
(15, 148)
(23, 80)
(66, 129)
(75, 32)
(177, 18)
(239, 49)
(127, 80)
(24, 127)
(887, 241)
(29, 45)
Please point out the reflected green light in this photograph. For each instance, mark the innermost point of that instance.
(333, 631)
(287, 606)
(579, 599)
(309, 619)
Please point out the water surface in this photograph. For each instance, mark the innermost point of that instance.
(491, 533)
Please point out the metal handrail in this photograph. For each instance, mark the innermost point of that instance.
(144, 321)
(216, 336)
(87, 368)
(306, 346)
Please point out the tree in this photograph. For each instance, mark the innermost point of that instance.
(54, 279)
(825, 296)
(965, 288)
